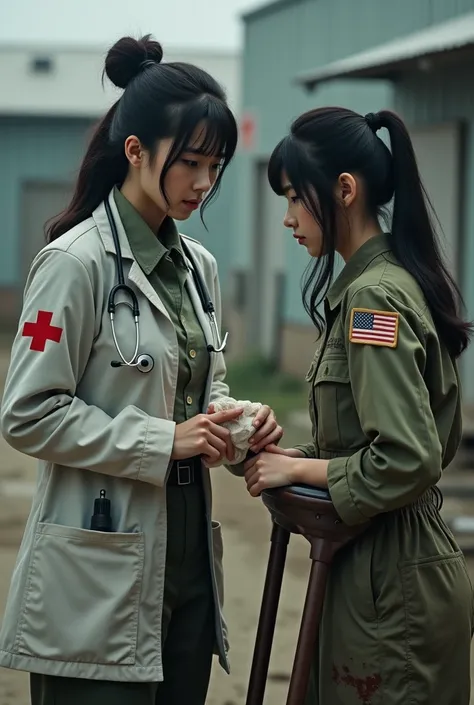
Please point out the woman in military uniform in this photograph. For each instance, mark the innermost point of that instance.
(386, 413)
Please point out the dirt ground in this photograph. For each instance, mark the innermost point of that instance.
(246, 530)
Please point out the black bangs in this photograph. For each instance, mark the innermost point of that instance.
(295, 159)
(218, 129)
(217, 137)
(219, 133)
(292, 158)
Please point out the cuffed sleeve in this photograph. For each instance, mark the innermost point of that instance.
(307, 448)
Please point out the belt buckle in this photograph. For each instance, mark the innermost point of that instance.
(188, 473)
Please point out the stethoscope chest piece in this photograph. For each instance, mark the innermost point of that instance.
(145, 363)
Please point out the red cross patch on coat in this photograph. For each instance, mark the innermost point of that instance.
(41, 331)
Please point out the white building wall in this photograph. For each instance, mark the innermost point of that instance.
(73, 85)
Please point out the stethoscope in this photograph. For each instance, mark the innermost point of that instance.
(144, 362)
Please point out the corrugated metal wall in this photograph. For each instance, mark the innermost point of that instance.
(32, 150)
(436, 99)
(278, 46)
(284, 40)
(50, 150)
(300, 36)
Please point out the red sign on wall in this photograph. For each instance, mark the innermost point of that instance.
(247, 131)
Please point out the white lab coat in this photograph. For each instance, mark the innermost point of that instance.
(87, 604)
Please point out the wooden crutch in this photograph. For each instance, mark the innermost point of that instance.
(298, 509)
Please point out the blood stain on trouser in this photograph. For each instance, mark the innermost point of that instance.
(365, 688)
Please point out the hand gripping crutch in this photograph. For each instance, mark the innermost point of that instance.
(298, 509)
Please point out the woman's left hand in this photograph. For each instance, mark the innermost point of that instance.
(268, 470)
(267, 430)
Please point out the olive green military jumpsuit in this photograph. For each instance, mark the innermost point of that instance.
(188, 606)
(386, 412)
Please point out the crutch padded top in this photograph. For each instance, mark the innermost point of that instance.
(309, 491)
(308, 510)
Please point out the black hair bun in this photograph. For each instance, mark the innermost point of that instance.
(125, 60)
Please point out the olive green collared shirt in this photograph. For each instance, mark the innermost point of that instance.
(163, 261)
(384, 392)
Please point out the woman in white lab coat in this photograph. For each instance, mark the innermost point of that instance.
(125, 607)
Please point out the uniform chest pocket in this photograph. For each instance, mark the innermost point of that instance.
(338, 425)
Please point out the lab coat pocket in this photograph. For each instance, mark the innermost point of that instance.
(82, 596)
(337, 420)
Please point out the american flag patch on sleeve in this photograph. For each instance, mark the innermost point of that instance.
(374, 327)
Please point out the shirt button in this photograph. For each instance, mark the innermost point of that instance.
(192, 353)
(189, 400)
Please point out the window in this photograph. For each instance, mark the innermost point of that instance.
(41, 65)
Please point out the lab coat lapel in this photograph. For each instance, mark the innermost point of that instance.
(138, 277)
(105, 231)
(136, 274)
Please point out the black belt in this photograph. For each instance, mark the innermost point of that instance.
(185, 472)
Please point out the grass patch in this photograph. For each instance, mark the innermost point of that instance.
(258, 380)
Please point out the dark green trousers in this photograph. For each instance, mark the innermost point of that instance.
(188, 624)
(398, 616)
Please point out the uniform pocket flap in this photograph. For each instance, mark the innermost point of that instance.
(333, 369)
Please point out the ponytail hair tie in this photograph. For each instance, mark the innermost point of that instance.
(147, 63)
(374, 121)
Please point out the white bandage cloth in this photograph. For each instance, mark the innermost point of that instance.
(240, 428)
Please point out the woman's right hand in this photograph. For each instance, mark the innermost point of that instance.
(203, 435)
